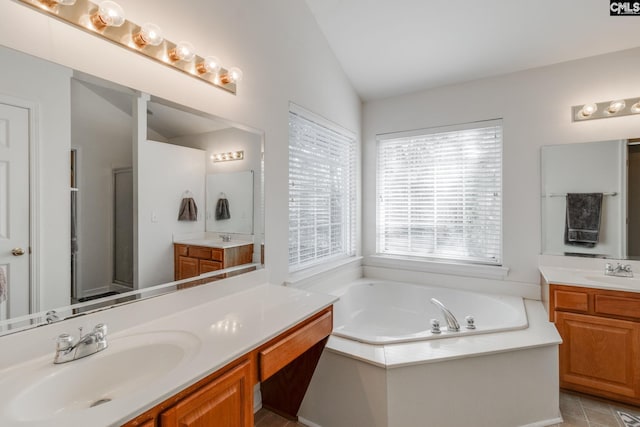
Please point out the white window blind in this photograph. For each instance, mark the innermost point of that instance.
(321, 190)
(440, 193)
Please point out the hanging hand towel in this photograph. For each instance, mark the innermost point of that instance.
(188, 210)
(222, 209)
(3, 285)
(582, 225)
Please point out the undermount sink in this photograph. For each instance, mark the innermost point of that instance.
(42, 390)
(615, 280)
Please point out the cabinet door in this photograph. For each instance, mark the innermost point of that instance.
(187, 267)
(225, 402)
(207, 266)
(599, 355)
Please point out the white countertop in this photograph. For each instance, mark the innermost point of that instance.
(212, 243)
(225, 328)
(588, 279)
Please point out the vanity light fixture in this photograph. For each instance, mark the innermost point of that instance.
(149, 34)
(225, 157)
(210, 64)
(605, 109)
(106, 19)
(183, 51)
(52, 3)
(109, 14)
(234, 75)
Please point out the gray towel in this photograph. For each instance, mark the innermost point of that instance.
(3, 285)
(188, 210)
(582, 225)
(222, 209)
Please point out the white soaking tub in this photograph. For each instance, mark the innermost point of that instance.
(384, 367)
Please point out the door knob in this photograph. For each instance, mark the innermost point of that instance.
(17, 251)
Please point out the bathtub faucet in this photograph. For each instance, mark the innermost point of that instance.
(452, 322)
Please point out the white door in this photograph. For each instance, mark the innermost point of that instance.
(14, 209)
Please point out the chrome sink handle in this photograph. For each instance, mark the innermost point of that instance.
(88, 344)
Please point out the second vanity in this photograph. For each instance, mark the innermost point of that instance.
(598, 318)
(187, 368)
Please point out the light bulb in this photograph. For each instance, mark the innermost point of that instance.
(210, 64)
(109, 14)
(233, 75)
(616, 106)
(588, 109)
(184, 51)
(149, 34)
(635, 108)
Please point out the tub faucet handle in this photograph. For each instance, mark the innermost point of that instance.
(435, 326)
(471, 322)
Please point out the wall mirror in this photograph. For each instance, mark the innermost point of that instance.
(608, 167)
(93, 181)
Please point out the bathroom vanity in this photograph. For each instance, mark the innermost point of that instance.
(191, 260)
(598, 318)
(283, 366)
(192, 358)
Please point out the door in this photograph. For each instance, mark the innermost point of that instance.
(123, 227)
(14, 210)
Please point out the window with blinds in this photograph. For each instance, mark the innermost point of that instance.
(321, 190)
(440, 193)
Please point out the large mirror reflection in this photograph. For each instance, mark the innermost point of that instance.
(107, 192)
(591, 199)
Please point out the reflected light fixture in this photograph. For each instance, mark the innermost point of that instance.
(605, 109)
(109, 14)
(225, 157)
(106, 19)
(149, 34)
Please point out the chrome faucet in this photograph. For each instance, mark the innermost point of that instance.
(619, 270)
(88, 344)
(452, 322)
(225, 237)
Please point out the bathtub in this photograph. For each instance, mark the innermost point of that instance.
(379, 312)
(383, 367)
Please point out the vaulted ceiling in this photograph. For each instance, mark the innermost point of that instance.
(391, 47)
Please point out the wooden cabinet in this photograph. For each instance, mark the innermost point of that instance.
(600, 330)
(225, 402)
(284, 366)
(192, 261)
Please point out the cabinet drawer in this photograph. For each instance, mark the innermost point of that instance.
(216, 254)
(571, 300)
(199, 252)
(281, 353)
(207, 266)
(181, 250)
(617, 306)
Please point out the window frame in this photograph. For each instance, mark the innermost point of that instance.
(349, 232)
(480, 265)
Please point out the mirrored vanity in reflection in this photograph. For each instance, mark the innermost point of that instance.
(112, 178)
(610, 168)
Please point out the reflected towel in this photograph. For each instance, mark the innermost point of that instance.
(188, 210)
(3, 285)
(582, 225)
(222, 209)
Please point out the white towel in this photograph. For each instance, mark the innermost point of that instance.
(3, 285)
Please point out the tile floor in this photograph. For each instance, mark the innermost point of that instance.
(582, 411)
(264, 418)
(577, 411)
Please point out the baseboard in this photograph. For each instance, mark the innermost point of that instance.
(308, 423)
(545, 423)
